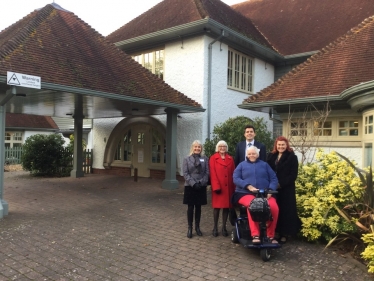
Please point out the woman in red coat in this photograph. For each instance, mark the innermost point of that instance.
(222, 167)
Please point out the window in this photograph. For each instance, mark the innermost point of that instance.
(239, 72)
(153, 61)
(348, 128)
(124, 148)
(368, 124)
(299, 128)
(368, 154)
(322, 128)
(13, 139)
(158, 148)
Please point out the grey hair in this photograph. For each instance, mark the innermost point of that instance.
(196, 142)
(255, 149)
(221, 142)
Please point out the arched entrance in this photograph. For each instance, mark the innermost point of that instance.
(137, 143)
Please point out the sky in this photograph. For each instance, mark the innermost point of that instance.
(105, 16)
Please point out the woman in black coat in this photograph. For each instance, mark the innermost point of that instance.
(285, 164)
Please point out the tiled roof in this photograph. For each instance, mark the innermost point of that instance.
(15, 120)
(298, 26)
(346, 62)
(171, 13)
(62, 49)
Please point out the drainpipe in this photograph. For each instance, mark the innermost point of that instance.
(210, 79)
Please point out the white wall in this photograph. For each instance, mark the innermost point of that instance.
(186, 70)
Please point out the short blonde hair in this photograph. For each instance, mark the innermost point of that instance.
(196, 142)
(221, 142)
(255, 149)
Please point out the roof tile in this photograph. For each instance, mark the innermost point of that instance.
(342, 64)
(298, 26)
(171, 13)
(62, 49)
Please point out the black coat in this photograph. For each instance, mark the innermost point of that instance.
(241, 148)
(286, 170)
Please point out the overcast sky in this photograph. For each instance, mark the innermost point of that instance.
(103, 15)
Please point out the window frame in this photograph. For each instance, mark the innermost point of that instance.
(155, 67)
(12, 141)
(237, 71)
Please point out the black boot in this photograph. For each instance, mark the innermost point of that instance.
(189, 232)
(197, 220)
(225, 214)
(215, 220)
(189, 220)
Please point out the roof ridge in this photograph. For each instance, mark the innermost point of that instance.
(200, 8)
(325, 50)
(24, 32)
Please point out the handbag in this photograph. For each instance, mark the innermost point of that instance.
(260, 210)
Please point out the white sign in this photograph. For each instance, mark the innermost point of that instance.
(23, 80)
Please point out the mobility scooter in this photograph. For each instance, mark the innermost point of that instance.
(260, 212)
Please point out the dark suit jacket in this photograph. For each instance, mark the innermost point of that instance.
(241, 148)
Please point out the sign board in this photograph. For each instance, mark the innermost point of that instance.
(23, 80)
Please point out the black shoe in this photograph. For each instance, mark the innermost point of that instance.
(215, 232)
(198, 231)
(189, 232)
(224, 232)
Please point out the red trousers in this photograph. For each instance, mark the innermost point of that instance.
(254, 226)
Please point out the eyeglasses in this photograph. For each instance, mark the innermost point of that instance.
(222, 146)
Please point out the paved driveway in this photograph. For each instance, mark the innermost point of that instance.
(112, 228)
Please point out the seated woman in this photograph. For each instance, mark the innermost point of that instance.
(250, 176)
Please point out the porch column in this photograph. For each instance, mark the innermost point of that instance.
(170, 181)
(9, 94)
(77, 171)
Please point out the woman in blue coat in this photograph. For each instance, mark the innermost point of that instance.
(250, 176)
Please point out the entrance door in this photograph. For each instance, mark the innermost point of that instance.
(141, 149)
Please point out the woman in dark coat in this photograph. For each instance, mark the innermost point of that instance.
(196, 175)
(221, 166)
(285, 164)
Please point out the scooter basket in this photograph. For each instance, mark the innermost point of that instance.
(260, 210)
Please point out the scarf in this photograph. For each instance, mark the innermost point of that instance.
(197, 162)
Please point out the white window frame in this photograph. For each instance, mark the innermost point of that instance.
(157, 64)
(239, 72)
(12, 138)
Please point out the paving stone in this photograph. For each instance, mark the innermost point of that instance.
(102, 227)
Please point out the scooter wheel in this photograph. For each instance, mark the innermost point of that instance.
(234, 236)
(265, 254)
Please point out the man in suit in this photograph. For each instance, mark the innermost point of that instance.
(241, 147)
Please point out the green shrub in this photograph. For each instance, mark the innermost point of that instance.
(368, 253)
(45, 155)
(232, 132)
(320, 188)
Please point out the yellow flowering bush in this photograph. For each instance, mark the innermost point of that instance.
(368, 253)
(320, 188)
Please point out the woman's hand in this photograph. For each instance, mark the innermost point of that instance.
(251, 188)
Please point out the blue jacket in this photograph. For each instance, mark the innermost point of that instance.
(258, 174)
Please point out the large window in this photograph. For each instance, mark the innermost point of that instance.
(348, 128)
(322, 128)
(368, 125)
(153, 61)
(158, 148)
(240, 72)
(299, 128)
(124, 148)
(13, 139)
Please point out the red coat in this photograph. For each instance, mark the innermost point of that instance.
(221, 172)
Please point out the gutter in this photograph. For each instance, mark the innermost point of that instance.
(210, 81)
